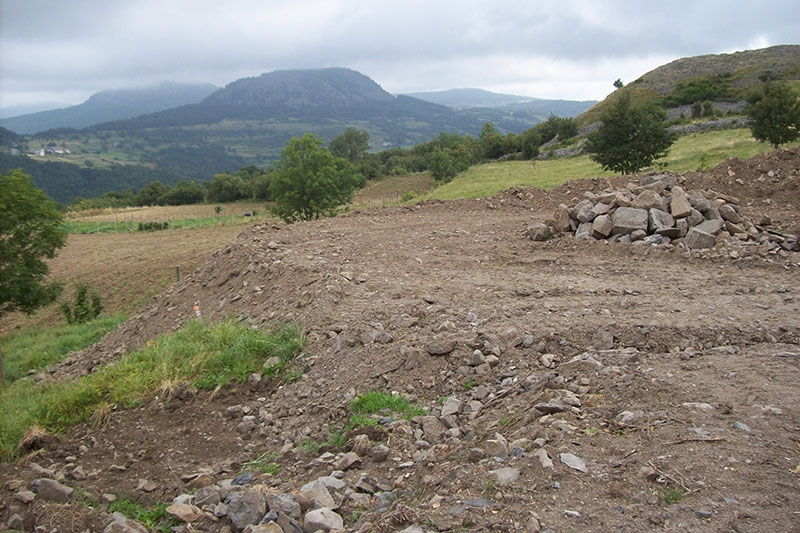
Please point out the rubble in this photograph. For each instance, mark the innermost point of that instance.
(659, 211)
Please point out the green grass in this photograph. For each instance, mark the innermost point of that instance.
(672, 495)
(704, 150)
(205, 356)
(153, 519)
(34, 349)
(265, 464)
(364, 408)
(84, 227)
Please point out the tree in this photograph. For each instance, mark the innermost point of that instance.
(350, 145)
(229, 188)
(30, 232)
(630, 137)
(491, 142)
(184, 192)
(618, 84)
(309, 182)
(441, 165)
(150, 193)
(775, 116)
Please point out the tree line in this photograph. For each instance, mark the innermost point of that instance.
(444, 157)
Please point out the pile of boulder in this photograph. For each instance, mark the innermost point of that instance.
(659, 211)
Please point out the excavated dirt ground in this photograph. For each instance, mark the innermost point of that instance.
(701, 349)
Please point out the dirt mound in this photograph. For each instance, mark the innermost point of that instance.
(570, 385)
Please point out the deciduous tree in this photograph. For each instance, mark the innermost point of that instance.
(775, 116)
(631, 136)
(350, 145)
(309, 182)
(30, 232)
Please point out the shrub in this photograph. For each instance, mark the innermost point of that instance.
(87, 305)
(153, 225)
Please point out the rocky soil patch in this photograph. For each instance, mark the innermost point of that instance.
(570, 384)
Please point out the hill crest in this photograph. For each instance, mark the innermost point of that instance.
(298, 89)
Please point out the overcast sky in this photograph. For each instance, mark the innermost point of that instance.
(63, 51)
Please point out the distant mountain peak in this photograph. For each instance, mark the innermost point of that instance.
(471, 97)
(302, 89)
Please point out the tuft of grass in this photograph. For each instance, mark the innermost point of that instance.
(672, 495)
(364, 407)
(338, 439)
(33, 349)
(265, 464)
(202, 355)
(153, 519)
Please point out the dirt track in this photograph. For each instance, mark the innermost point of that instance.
(701, 349)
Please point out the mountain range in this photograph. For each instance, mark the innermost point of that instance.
(110, 105)
(284, 93)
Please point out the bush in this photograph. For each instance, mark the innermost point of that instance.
(153, 225)
(87, 305)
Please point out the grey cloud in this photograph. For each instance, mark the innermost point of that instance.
(97, 44)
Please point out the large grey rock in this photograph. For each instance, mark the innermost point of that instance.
(600, 208)
(322, 519)
(284, 504)
(497, 446)
(699, 240)
(602, 226)
(649, 199)
(679, 203)
(660, 220)
(561, 219)
(432, 428)
(682, 226)
(573, 461)
(584, 230)
(348, 461)
(246, 508)
(206, 496)
(626, 220)
(714, 227)
(695, 217)
(698, 201)
(318, 492)
(53, 491)
(662, 181)
(729, 213)
(539, 231)
(712, 214)
(582, 212)
(451, 406)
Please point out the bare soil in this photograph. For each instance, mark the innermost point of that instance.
(689, 421)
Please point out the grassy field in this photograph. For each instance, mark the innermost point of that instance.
(694, 152)
(172, 217)
(202, 355)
